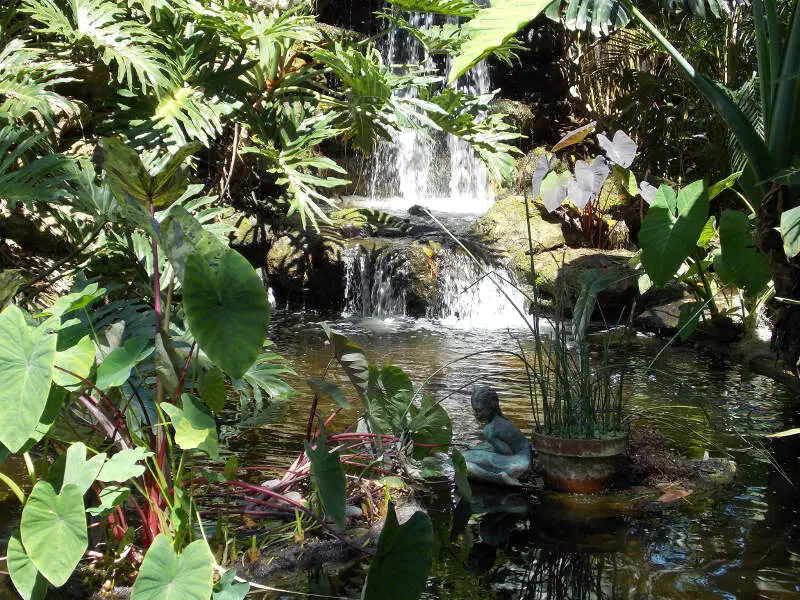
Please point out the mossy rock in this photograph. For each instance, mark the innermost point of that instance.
(505, 225)
(614, 199)
(519, 113)
(559, 272)
(368, 222)
(525, 164)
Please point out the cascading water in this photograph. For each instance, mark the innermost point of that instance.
(435, 169)
(444, 174)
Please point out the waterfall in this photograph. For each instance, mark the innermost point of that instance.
(462, 294)
(434, 169)
(373, 283)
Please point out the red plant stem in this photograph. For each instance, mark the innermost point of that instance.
(179, 389)
(94, 387)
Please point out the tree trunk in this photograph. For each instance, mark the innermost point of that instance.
(786, 277)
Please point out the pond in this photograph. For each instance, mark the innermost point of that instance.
(743, 542)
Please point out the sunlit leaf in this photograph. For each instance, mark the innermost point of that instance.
(165, 575)
(194, 426)
(124, 465)
(575, 136)
(117, 366)
(26, 370)
(53, 530)
(620, 150)
(29, 582)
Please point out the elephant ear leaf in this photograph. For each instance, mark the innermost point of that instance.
(328, 477)
(402, 549)
(27, 354)
(166, 575)
(672, 228)
(227, 310)
(739, 262)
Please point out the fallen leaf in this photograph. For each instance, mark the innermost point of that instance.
(674, 494)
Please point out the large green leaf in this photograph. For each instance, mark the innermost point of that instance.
(194, 426)
(388, 399)
(79, 359)
(81, 472)
(328, 476)
(53, 530)
(227, 311)
(790, 230)
(74, 301)
(491, 28)
(671, 229)
(26, 370)
(130, 180)
(29, 582)
(352, 359)
(431, 426)
(116, 367)
(739, 262)
(124, 465)
(111, 496)
(460, 478)
(182, 235)
(165, 575)
(399, 569)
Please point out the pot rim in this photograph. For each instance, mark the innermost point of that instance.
(589, 448)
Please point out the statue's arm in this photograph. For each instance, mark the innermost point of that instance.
(497, 438)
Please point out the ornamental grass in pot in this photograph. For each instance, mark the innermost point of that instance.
(580, 431)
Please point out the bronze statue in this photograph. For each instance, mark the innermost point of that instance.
(506, 454)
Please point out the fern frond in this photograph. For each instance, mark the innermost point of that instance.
(188, 114)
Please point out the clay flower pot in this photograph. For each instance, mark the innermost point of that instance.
(581, 466)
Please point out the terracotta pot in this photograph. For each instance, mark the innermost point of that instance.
(581, 466)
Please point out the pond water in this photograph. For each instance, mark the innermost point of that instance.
(742, 542)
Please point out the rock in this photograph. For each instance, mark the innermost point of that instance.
(251, 236)
(526, 163)
(353, 512)
(418, 211)
(306, 266)
(561, 270)
(519, 113)
(505, 225)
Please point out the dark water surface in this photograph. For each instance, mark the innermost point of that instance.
(744, 542)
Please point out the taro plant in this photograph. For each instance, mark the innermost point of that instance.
(676, 240)
(582, 186)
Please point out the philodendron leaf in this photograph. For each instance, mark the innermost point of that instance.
(739, 262)
(227, 310)
(116, 367)
(124, 465)
(211, 387)
(53, 530)
(227, 588)
(194, 426)
(26, 371)
(165, 575)
(402, 549)
(79, 471)
(491, 28)
(29, 582)
(328, 476)
(389, 395)
(790, 230)
(671, 229)
(325, 390)
(79, 360)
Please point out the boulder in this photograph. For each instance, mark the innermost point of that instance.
(306, 266)
(504, 224)
(560, 271)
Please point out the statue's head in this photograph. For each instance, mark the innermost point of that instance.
(485, 403)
